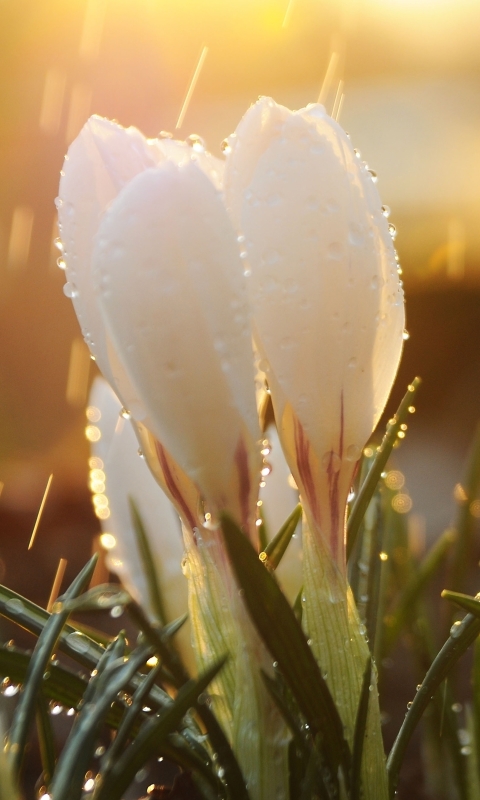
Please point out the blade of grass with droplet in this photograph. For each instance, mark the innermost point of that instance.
(379, 462)
(42, 653)
(127, 724)
(46, 739)
(99, 598)
(275, 549)
(148, 563)
(151, 736)
(425, 571)
(72, 641)
(103, 689)
(456, 645)
(281, 633)
(359, 734)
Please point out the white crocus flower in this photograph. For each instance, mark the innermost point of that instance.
(326, 296)
(169, 324)
(127, 476)
(328, 325)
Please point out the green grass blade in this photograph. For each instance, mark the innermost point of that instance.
(460, 639)
(158, 638)
(99, 598)
(275, 550)
(76, 755)
(44, 648)
(72, 641)
(148, 562)
(359, 734)
(282, 635)
(151, 736)
(127, 725)
(8, 788)
(379, 462)
(46, 739)
(467, 603)
(287, 713)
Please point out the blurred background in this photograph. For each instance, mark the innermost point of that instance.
(410, 72)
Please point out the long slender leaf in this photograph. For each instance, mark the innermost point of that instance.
(128, 722)
(99, 598)
(359, 734)
(159, 640)
(460, 639)
(278, 627)
(153, 733)
(275, 549)
(148, 562)
(41, 656)
(77, 752)
(467, 603)
(383, 453)
(45, 738)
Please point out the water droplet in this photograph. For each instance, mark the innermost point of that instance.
(418, 687)
(15, 606)
(69, 290)
(335, 251)
(61, 263)
(373, 175)
(405, 336)
(247, 272)
(77, 641)
(357, 153)
(456, 629)
(58, 202)
(353, 452)
(116, 611)
(58, 244)
(466, 750)
(392, 230)
(226, 147)
(386, 211)
(165, 135)
(11, 690)
(356, 235)
(196, 143)
(456, 708)
(410, 704)
(243, 254)
(241, 238)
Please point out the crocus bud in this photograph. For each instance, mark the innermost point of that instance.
(326, 296)
(126, 475)
(170, 283)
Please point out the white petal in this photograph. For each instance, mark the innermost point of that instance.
(172, 290)
(328, 305)
(128, 476)
(258, 128)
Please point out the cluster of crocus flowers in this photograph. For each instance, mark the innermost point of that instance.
(190, 277)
